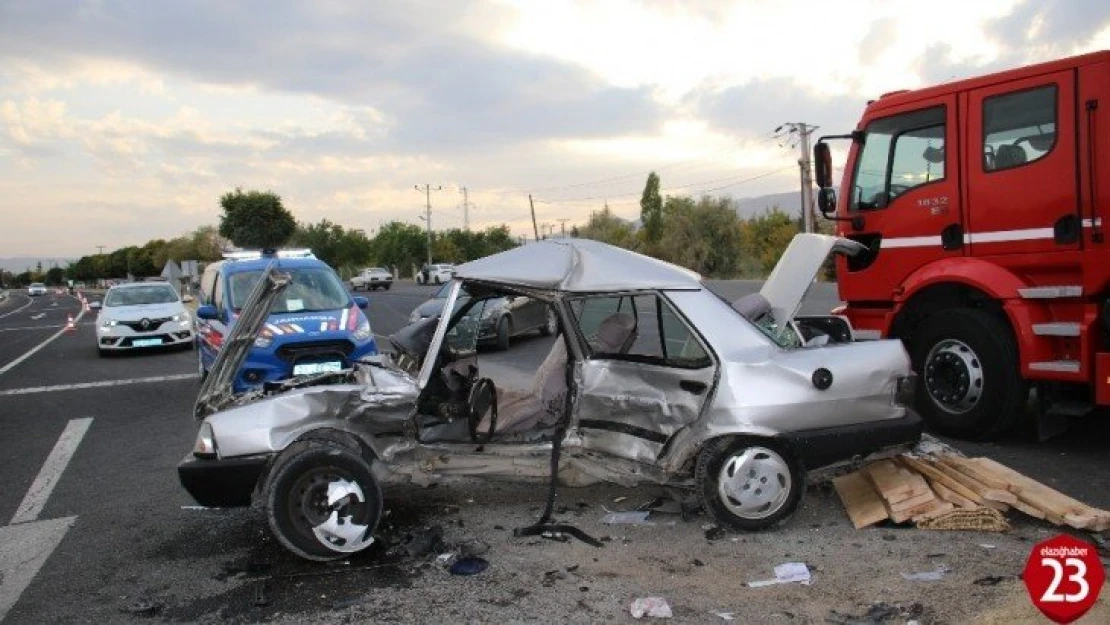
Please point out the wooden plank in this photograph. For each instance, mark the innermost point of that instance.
(997, 505)
(906, 504)
(1025, 508)
(1055, 504)
(986, 492)
(941, 508)
(894, 482)
(939, 478)
(902, 516)
(950, 496)
(985, 477)
(864, 505)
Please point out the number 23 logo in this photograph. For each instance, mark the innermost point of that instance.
(1051, 594)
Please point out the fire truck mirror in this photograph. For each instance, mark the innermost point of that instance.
(822, 159)
(826, 201)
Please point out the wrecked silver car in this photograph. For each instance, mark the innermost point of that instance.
(649, 378)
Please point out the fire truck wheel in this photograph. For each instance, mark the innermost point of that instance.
(969, 385)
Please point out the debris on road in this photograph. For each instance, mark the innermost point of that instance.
(787, 573)
(950, 492)
(927, 576)
(655, 607)
(878, 614)
(631, 517)
(469, 566)
(142, 608)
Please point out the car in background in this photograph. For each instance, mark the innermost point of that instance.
(36, 288)
(142, 315)
(502, 319)
(435, 274)
(371, 279)
(315, 327)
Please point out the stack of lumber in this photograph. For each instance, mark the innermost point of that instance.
(952, 492)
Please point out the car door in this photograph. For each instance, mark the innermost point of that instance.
(212, 332)
(645, 376)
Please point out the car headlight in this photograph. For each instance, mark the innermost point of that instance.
(181, 317)
(264, 341)
(205, 447)
(362, 332)
(108, 323)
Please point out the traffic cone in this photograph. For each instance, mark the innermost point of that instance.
(69, 325)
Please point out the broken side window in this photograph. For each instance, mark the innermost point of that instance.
(638, 327)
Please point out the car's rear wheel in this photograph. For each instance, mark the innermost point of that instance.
(749, 484)
(322, 500)
(504, 333)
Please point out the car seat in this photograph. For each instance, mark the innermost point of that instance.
(1009, 156)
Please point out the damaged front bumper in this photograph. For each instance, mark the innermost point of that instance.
(222, 483)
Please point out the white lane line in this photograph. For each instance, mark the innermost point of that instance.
(23, 551)
(49, 327)
(38, 316)
(8, 367)
(29, 302)
(81, 385)
(51, 471)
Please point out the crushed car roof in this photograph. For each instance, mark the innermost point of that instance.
(578, 266)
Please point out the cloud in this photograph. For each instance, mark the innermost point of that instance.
(755, 109)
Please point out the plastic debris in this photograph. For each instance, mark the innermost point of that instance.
(632, 517)
(927, 576)
(655, 607)
(469, 566)
(728, 616)
(619, 499)
(986, 546)
(446, 558)
(787, 573)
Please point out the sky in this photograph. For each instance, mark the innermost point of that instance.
(123, 121)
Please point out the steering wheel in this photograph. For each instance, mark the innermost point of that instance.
(482, 402)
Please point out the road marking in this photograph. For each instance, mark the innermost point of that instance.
(38, 316)
(82, 385)
(8, 367)
(29, 302)
(51, 471)
(49, 327)
(23, 551)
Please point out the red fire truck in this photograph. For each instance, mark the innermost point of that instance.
(982, 204)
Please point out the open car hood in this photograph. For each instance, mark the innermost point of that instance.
(797, 269)
(216, 391)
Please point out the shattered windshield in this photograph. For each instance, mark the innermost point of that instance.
(313, 289)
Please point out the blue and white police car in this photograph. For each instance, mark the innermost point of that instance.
(314, 327)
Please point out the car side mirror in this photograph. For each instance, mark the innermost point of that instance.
(822, 163)
(207, 311)
(361, 301)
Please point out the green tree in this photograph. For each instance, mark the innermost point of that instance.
(255, 219)
(342, 248)
(651, 212)
(765, 237)
(703, 236)
(55, 276)
(606, 227)
(401, 245)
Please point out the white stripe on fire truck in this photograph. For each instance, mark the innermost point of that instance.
(998, 236)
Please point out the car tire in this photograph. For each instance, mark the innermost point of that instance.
(504, 333)
(436, 279)
(387, 287)
(769, 492)
(969, 384)
(551, 325)
(297, 507)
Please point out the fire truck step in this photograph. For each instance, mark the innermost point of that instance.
(1059, 328)
(1050, 292)
(1062, 366)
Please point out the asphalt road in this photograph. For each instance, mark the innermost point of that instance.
(109, 535)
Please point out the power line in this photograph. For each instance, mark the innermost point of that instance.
(674, 188)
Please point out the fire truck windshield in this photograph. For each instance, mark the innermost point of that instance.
(898, 153)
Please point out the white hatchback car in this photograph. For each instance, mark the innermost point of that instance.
(435, 274)
(36, 288)
(142, 314)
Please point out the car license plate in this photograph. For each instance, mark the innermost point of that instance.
(308, 368)
(145, 342)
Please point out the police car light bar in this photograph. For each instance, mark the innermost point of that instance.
(256, 254)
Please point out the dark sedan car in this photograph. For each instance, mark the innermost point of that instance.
(502, 319)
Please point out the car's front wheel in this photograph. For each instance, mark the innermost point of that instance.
(749, 484)
(322, 500)
(504, 333)
(551, 323)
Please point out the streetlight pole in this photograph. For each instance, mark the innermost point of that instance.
(428, 212)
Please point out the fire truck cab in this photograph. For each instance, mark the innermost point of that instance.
(982, 204)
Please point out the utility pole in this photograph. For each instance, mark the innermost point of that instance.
(466, 211)
(428, 213)
(535, 228)
(563, 226)
(805, 167)
(100, 250)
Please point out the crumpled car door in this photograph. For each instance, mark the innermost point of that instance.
(631, 400)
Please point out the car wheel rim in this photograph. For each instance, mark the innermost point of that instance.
(953, 376)
(325, 503)
(754, 483)
(552, 323)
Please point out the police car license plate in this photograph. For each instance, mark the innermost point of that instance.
(308, 368)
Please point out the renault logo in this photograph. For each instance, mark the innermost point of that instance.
(145, 323)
